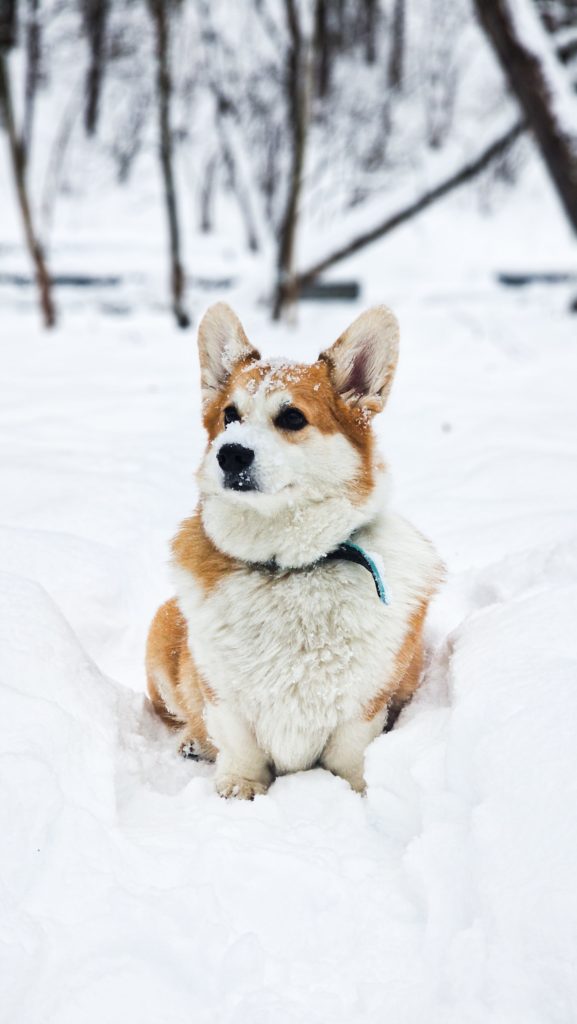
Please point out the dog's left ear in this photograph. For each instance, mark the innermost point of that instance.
(222, 344)
(363, 360)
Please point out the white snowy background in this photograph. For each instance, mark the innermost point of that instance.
(129, 890)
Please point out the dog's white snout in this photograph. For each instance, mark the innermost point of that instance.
(269, 465)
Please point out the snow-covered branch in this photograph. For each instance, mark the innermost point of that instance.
(377, 218)
(536, 44)
(542, 85)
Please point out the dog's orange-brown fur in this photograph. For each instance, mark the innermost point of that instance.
(409, 662)
(175, 687)
(196, 553)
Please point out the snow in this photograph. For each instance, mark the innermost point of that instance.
(448, 894)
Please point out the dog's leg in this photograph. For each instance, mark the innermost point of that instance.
(344, 753)
(242, 769)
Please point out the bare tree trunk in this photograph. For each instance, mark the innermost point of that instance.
(17, 159)
(396, 66)
(323, 49)
(464, 174)
(298, 87)
(371, 20)
(32, 76)
(527, 74)
(95, 19)
(159, 13)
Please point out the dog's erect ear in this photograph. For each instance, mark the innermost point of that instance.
(222, 344)
(362, 361)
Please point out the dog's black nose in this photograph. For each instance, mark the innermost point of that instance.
(233, 458)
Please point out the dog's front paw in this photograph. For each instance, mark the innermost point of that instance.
(197, 749)
(242, 789)
(189, 749)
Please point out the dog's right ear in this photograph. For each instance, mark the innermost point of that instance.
(222, 344)
(362, 361)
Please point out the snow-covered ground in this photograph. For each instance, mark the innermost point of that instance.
(130, 891)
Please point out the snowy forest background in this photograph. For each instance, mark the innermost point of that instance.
(301, 160)
(296, 132)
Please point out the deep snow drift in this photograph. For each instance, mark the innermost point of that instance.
(130, 890)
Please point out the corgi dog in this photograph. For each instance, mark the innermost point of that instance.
(296, 629)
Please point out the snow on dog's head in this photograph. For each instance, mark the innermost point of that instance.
(288, 440)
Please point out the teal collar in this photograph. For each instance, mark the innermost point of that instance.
(348, 551)
(351, 552)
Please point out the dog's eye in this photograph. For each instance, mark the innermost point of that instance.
(231, 415)
(291, 419)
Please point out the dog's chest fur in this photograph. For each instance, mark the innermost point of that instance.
(300, 652)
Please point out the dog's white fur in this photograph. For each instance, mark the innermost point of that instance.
(295, 657)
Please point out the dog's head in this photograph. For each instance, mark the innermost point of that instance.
(290, 445)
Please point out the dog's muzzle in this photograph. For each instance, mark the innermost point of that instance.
(235, 461)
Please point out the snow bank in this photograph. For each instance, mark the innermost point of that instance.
(488, 849)
(447, 895)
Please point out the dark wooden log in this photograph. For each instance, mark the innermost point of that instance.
(64, 280)
(519, 280)
(329, 291)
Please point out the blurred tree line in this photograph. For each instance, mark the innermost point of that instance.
(349, 115)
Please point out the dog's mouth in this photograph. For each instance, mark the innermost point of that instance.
(243, 481)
